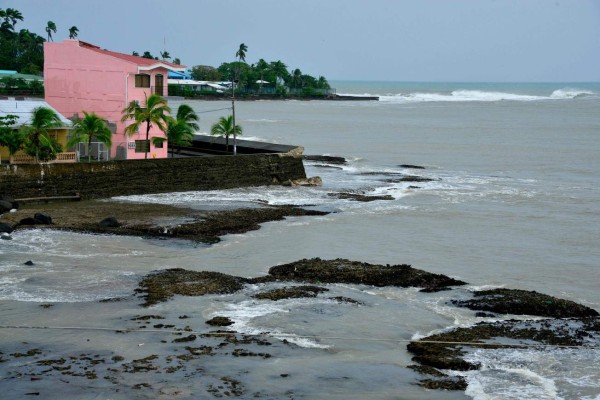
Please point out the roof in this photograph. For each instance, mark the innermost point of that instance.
(24, 108)
(16, 75)
(190, 82)
(143, 63)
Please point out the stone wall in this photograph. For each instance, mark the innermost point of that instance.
(119, 178)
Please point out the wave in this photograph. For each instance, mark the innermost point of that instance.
(482, 96)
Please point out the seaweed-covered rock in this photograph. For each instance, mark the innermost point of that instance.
(109, 222)
(446, 350)
(162, 285)
(293, 292)
(325, 159)
(220, 321)
(523, 302)
(346, 271)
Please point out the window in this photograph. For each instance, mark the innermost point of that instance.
(158, 145)
(142, 146)
(142, 81)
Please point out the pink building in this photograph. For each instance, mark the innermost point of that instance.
(79, 77)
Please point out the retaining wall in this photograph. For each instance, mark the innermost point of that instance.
(128, 177)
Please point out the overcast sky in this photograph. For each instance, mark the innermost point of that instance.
(399, 40)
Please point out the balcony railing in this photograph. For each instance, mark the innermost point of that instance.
(61, 158)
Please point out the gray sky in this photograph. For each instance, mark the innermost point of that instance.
(400, 40)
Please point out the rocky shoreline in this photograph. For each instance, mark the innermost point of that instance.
(563, 322)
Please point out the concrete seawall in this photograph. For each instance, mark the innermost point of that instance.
(120, 178)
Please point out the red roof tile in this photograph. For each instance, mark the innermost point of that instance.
(133, 59)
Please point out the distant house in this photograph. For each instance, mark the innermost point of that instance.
(79, 77)
(23, 109)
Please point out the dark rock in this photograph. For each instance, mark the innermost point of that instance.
(446, 350)
(5, 236)
(5, 206)
(342, 299)
(411, 166)
(5, 228)
(30, 263)
(346, 271)
(408, 178)
(27, 221)
(293, 292)
(162, 285)
(109, 222)
(42, 219)
(325, 159)
(481, 314)
(522, 302)
(360, 197)
(185, 339)
(220, 321)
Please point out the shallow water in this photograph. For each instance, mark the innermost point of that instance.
(513, 204)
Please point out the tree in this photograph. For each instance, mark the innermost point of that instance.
(154, 112)
(36, 133)
(165, 55)
(50, 28)
(11, 16)
(205, 73)
(241, 53)
(9, 137)
(87, 128)
(261, 67)
(176, 61)
(148, 55)
(135, 53)
(73, 31)
(180, 131)
(279, 69)
(225, 128)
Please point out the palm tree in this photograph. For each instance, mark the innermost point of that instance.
(165, 54)
(225, 128)
(43, 119)
(11, 16)
(155, 111)
(73, 31)
(177, 61)
(180, 131)
(279, 69)
(51, 27)
(90, 127)
(261, 67)
(241, 53)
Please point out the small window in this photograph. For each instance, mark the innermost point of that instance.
(159, 145)
(142, 146)
(142, 81)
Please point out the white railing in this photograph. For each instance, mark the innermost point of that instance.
(61, 158)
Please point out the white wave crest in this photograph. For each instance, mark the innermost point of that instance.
(458, 96)
(570, 93)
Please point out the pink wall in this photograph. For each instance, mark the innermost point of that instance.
(78, 79)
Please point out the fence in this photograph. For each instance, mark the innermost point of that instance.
(61, 158)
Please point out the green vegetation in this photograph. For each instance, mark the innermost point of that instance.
(9, 137)
(38, 142)
(180, 131)
(154, 111)
(87, 128)
(50, 28)
(73, 31)
(262, 78)
(19, 50)
(224, 127)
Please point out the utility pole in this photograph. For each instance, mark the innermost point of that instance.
(233, 115)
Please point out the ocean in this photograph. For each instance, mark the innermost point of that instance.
(513, 203)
